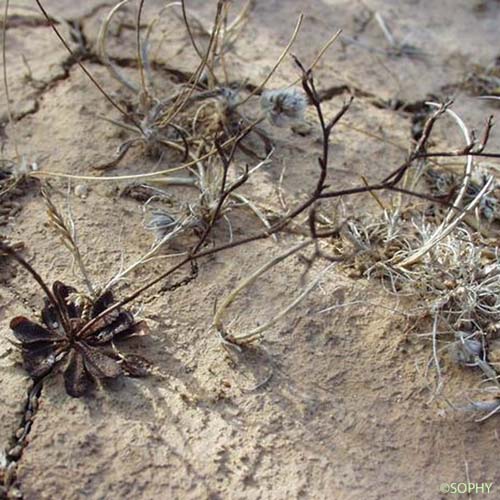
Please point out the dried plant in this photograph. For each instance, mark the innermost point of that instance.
(456, 283)
(203, 120)
(444, 181)
(206, 122)
(14, 173)
(160, 123)
(283, 106)
(90, 354)
(65, 228)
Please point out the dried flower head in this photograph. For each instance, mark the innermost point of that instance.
(488, 205)
(162, 224)
(91, 354)
(466, 348)
(14, 177)
(443, 183)
(229, 97)
(282, 106)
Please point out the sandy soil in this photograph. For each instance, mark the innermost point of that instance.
(347, 413)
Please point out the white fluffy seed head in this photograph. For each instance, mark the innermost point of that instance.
(283, 106)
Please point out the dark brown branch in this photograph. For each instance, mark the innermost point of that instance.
(16, 256)
(82, 66)
(389, 183)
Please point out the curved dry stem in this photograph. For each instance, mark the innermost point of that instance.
(241, 17)
(278, 62)
(442, 232)
(230, 30)
(183, 98)
(145, 50)
(175, 181)
(435, 357)
(190, 32)
(126, 126)
(218, 39)
(140, 60)
(245, 201)
(468, 165)
(446, 226)
(6, 82)
(217, 321)
(82, 66)
(256, 333)
(319, 55)
(103, 54)
(150, 175)
(10, 251)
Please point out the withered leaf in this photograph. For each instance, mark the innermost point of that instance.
(102, 303)
(103, 324)
(28, 332)
(121, 326)
(39, 359)
(61, 293)
(76, 379)
(124, 326)
(49, 315)
(98, 364)
(138, 329)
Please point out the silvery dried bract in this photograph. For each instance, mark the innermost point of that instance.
(488, 204)
(466, 349)
(444, 183)
(14, 175)
(283, 106)
(161, 223)
(229, 96)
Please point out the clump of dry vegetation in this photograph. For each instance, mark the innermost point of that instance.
(448, 261)
(446, 256)
(203, 120)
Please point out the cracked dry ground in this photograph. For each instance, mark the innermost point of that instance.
(347, 413)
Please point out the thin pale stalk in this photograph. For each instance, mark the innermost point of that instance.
(6, 82)
(286, 50)
(217, 321)
(257, 332)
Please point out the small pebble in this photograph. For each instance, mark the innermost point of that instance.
(82, 191)
(15, 493)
